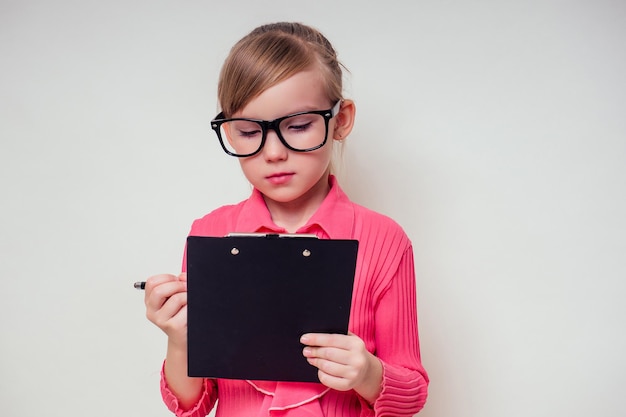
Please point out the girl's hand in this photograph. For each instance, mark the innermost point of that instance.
(166, 306)
(344, 363)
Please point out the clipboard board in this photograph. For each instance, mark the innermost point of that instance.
(250, 298)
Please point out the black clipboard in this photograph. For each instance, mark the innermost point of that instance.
(250, 298)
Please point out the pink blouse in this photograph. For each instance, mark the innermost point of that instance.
(383, 314)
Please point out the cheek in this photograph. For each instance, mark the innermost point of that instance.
(320, 161)
(247, 166)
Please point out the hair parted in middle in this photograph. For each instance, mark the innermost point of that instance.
(270, 54)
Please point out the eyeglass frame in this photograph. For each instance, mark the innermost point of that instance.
(267, 125)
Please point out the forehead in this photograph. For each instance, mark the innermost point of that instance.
(305, 90)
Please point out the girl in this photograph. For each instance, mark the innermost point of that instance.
(280, 91)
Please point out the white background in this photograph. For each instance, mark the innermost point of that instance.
(494, 132)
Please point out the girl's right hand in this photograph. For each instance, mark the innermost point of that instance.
(166, 305)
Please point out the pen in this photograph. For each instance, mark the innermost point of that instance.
(140, 285)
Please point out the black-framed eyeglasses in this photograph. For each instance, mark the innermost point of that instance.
(301, 132)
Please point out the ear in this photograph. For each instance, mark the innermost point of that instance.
(344, 120)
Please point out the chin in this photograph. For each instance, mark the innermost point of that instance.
(283, 198)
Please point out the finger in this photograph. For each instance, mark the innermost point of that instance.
(179, 320)
(157, 280)
(328, 367)
(340, 341)
(158, 295)
(334, 382)
(169, 315)
(339, 374)
(173, 305)
(182, 276)
(336, 370)
(330, 354)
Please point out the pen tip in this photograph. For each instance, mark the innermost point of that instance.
(140, 285)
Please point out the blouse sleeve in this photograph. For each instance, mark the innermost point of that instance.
(200, 409)
(405, 382)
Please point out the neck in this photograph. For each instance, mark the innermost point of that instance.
(292, 215)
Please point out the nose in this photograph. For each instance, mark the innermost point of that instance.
(274, 150)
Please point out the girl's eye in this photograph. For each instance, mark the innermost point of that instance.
(246, 130)
(300, 127)
(249, 133)
(299, 123)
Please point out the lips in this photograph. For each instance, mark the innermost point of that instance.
(280, 177)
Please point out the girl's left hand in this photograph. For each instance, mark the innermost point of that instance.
(344, 363)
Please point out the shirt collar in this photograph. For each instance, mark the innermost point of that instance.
(255, 217)
(335, 216)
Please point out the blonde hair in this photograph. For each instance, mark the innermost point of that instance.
(270, 54)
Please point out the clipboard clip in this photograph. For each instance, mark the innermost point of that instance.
(306, 252)
(273, 235)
